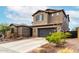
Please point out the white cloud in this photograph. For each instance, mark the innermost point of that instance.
(22, 12)
(74, 18)
(73, 13)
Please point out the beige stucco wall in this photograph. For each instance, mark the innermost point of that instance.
(55, 18)
(35, 29)
(19, 31)
(35, 32)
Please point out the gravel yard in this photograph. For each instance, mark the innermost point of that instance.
(50, 48)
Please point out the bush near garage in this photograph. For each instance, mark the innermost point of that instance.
(59, 38)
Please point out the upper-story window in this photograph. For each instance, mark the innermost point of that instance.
(39, 17)
(52, 14)
(57, 13)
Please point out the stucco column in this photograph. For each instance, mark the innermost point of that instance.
(58, 29)
(35, 32)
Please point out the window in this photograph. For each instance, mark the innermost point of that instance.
(52, 14)
(12, 30)
(57, 14)
(39, 17)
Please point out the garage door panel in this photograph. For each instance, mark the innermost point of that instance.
(42, 32)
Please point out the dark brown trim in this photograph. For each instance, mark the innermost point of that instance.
(46, 25)
(23, 26)
(64, 13)
(37, 12)
(19, 25)
(51, 10)
(68, 18)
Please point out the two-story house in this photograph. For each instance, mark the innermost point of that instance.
(44, 23)
(48, 21)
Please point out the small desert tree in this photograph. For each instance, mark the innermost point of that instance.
(4, 28)
(58, 37)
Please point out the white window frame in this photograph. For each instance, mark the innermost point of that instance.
(40, 17)
(57, 13)
(52, 14)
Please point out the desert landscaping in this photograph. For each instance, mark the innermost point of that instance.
(70, 47)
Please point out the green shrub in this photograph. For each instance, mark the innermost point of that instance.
(4, 28)
(58, 37)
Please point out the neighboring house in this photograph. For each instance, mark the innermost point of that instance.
(44, 22)
(20, 30)
(48, 21)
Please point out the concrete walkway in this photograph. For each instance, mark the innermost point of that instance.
(22, 46)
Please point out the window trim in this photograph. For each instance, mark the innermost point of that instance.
(57, 14)
(52, 14)
(39, 17)
(12, 30)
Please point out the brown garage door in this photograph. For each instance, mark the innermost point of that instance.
(42, 32)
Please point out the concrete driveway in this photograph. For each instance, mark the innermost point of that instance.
(22, 46)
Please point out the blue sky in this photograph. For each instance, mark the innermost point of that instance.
(22, 14)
